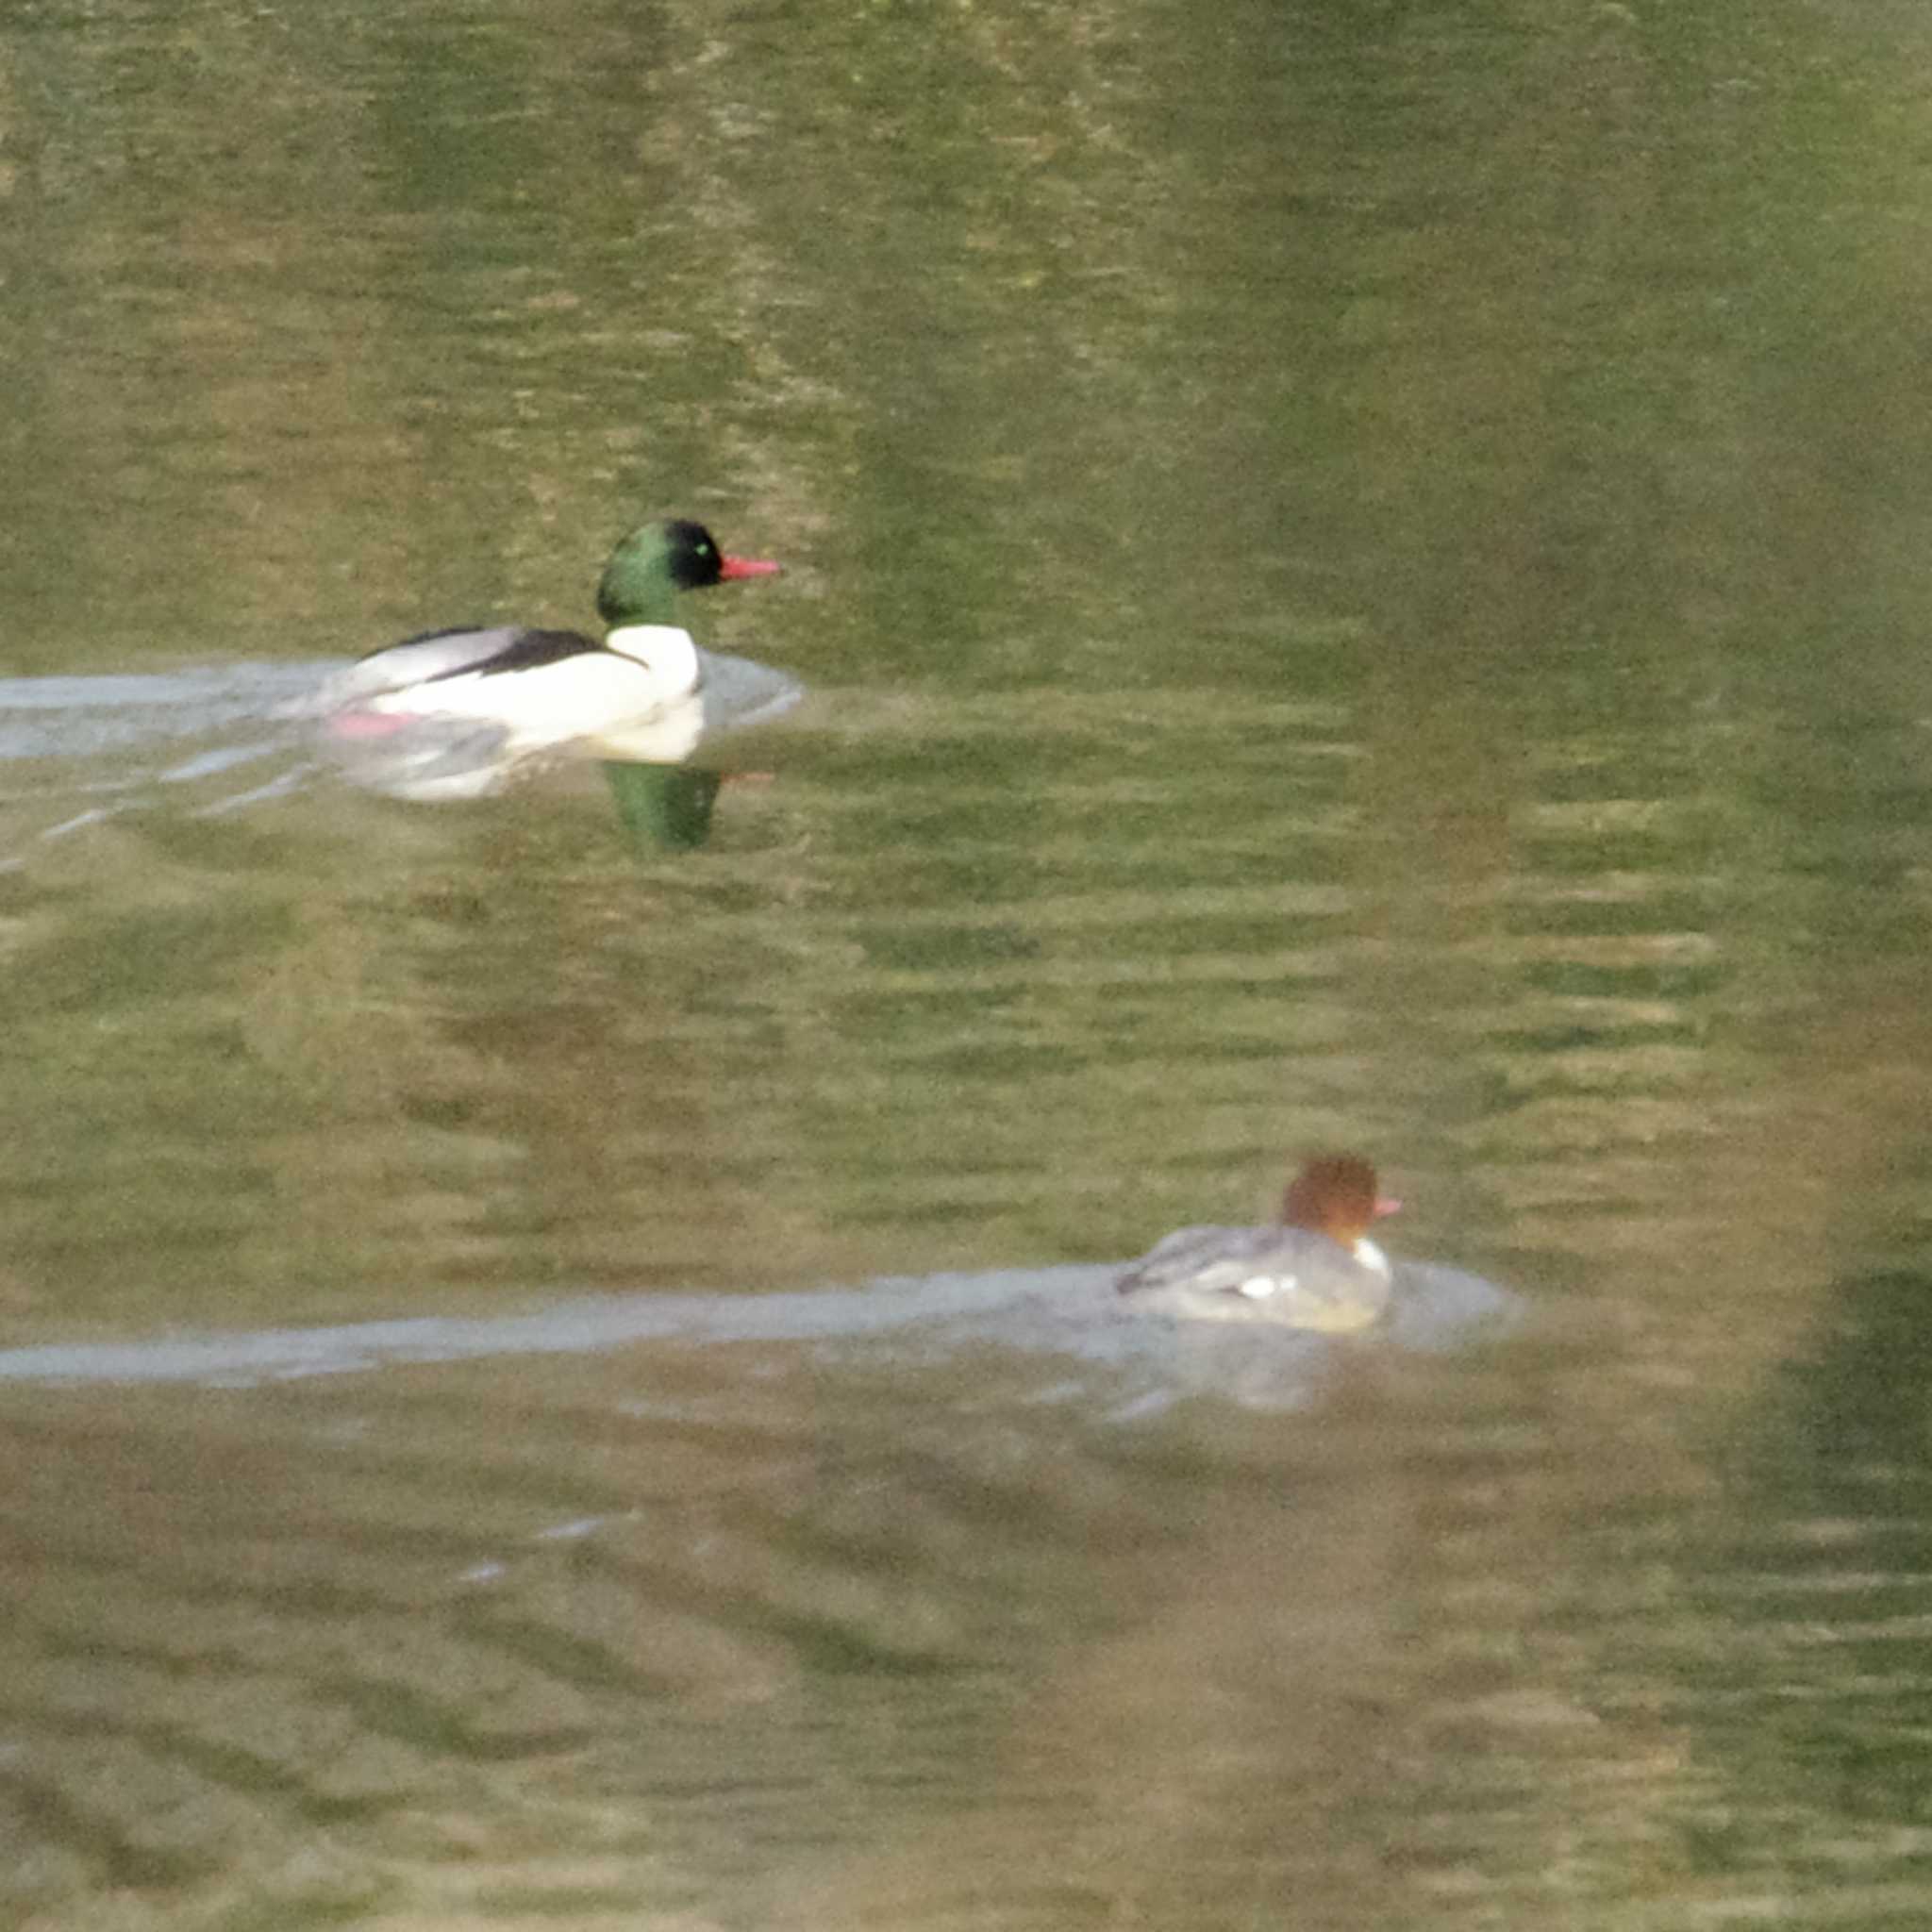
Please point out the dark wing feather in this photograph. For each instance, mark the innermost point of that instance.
(528, 649)
(466, 650)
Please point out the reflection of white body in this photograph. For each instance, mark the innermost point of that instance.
(1290, 1276)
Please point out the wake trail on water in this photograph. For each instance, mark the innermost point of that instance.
(1068, 1315)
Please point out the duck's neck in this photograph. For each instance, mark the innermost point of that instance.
(1340, 1229)
(642, 597)
(665, 651)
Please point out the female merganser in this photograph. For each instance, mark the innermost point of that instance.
(1315, 1269)
(453, 713)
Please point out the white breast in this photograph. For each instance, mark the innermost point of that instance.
(664, 651)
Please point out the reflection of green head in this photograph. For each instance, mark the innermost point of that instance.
(667, 805)
(651, 566)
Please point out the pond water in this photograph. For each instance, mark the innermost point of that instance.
(1359, 573)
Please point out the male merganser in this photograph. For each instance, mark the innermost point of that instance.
(1315, 1269)
(453, 713)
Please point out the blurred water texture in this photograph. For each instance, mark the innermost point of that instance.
(1360, 573)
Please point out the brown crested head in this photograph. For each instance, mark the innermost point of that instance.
(1335, 1194)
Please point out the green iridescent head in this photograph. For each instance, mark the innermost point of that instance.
(655, 561)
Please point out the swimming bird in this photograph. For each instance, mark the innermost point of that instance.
(1316, 1267)
(455, 713)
